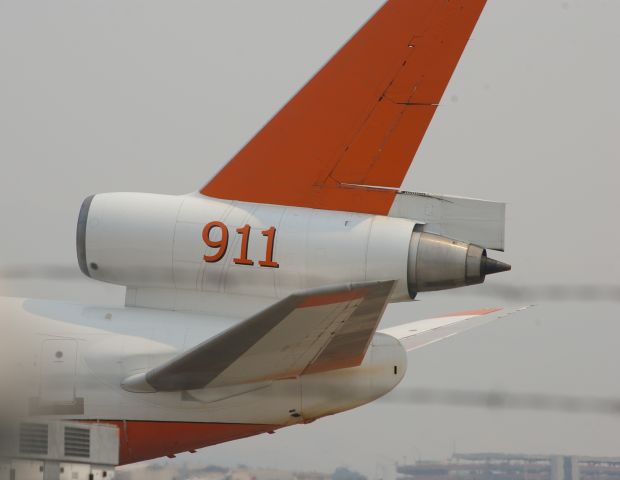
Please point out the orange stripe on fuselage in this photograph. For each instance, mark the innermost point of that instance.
(466, 313)
(141, 440)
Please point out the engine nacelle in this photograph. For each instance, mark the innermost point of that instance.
(440, 263)
(147, 241)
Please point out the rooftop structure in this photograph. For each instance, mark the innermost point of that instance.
(53, 450)
(496, 466)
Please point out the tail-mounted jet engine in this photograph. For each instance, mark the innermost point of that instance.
(199, 244)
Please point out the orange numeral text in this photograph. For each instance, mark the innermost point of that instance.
(270, 233)
(245, 238)
(222, 244)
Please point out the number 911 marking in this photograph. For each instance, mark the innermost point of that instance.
(221, 245)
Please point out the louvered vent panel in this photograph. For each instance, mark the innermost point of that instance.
(33, 438)
(77, 442)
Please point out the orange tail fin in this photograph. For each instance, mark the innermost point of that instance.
(347, 139)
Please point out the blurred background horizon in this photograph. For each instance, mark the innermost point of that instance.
(156, 96)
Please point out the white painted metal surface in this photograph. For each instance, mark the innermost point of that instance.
(470, 220)
(419, 334)
(147, 241)
(114, 343)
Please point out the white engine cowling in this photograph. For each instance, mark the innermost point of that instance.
(202, 244)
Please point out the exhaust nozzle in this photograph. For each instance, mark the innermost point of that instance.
(441, 263)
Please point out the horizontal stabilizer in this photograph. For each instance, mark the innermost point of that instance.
(421, 333)
(309, 332)
(479, 222)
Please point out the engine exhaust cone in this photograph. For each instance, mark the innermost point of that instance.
(439, 263)
(488, 266)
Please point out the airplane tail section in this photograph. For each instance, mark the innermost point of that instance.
(346, 140)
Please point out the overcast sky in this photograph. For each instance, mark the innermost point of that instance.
(156, 96)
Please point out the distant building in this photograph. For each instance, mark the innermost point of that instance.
(501, 466)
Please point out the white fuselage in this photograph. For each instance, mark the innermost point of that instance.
(71, 361)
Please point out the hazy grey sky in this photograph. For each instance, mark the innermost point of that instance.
(156, 96)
